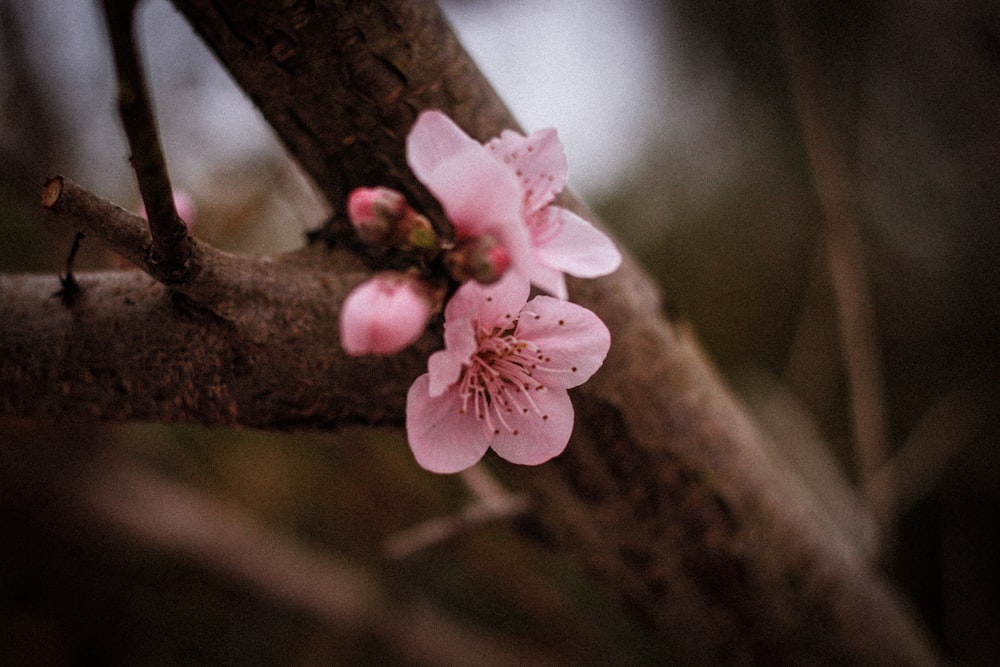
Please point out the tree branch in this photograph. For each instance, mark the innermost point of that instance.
(665, 491)
(842, 243)
(170, 251)
(188, 523)
(247, 340)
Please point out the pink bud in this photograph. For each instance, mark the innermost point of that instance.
(482, 259)
(385, 314)
(375, 212)
(382, 216)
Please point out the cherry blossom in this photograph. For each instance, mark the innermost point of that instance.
(501, 380)
(562, 241)
(385, 314)
(479, 196)
(374, 212)
(505, 189)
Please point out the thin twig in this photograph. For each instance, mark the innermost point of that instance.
(70, 288)
(923, 459)
(492, 503)
(170, 251)
(79, 209)
(481, 483)
(844, 247)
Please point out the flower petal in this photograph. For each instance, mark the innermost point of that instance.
(434, 138)
(574, 246)
(490, 305)
(551, 280)
(383, 315)
(442, 439)
(476, 193)
(538, 161)
(444, 367)
(572, 340)
(539, 435)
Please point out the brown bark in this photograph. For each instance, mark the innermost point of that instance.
(246, 340)
(665, 491)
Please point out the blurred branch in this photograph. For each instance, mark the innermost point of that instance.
(191, 525)
(842, 240)
(170, 251)
(923, 458)
(492, 503)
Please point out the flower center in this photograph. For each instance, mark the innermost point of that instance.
(497, 383)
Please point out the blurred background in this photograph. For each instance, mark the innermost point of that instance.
(682, 123)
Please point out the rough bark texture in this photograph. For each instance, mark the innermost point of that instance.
(246, 340)
(665, 491)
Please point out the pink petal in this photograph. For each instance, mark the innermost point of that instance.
(551, 280)
(497, 304)
(573, 340)
(477, 194)
(442, 439)
(538, 439)
(574, 246)
(383, 315)
(445, 366)
(434, 138)
(538, 161)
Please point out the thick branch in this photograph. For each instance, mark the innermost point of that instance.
(664, 492)
(247, 340)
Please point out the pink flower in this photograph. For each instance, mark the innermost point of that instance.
(479, 196)
(562, 241)
(384, 315)
(505, 189)
(501, 380)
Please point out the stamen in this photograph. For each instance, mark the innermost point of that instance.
(498, 378)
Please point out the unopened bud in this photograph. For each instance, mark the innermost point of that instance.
(382, 216)
(482, 259)
(385, 314)
(416, 232)
(375, 212)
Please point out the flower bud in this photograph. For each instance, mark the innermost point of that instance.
(375, 212)
(385, 314)
(482, 259)
(382, 216)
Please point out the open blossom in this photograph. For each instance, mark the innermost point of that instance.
(384, 315)
(479, 196)
(505, 189)
(562, 242)
(501, 380)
